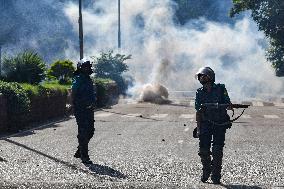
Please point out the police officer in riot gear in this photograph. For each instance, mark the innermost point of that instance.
(207, 127)
(83, 99)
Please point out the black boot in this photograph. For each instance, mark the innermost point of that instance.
(206, 164)
(85, 156)
(217, 153)
(77, 153)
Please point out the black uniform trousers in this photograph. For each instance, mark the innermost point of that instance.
(85, 122)
(215, 135)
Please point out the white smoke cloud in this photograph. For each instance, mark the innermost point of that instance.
(165, 53)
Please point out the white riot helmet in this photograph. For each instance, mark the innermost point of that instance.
(206, 71)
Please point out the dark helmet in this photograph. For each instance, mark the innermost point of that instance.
(206, 71)
(82, 62)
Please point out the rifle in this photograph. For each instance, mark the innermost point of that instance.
(220, 106)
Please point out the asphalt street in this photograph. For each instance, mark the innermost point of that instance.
(145, 146)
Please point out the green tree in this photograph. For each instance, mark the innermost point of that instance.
(269, 16)
(62, 70)
(111, 66)
(26, 67)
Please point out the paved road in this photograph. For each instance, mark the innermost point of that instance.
(145, 146)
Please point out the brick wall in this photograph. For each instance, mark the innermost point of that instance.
(3, 113)
(47, 108)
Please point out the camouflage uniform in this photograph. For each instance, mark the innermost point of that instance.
(83, 101)
(209, 130)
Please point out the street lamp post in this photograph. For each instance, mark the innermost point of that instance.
(119, 33)
(81, 35)
(0, 61)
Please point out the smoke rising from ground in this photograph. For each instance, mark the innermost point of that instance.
(154, 93)
(170, 55)
(163, 51)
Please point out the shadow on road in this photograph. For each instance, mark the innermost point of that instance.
(105, 170)
(239, 186)
(29, 130)
(93, 169)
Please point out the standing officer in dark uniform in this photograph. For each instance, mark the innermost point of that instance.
(207, 127)
(83, 98)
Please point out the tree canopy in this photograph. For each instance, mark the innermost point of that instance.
(111, 66)
(269, 16)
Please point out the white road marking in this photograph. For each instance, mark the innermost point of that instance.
(131, 115)
(103, 114)
(159, 116)
(187, 116)
(271, 116)
(186, 129)
(245, 116)
(279, 104)
(180, 141)
(257, 103)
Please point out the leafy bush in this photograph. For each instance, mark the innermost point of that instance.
(45, 89)
(18, 103)
(112, 66)
(101, 85)
(27, 67)
(102, 88)
(61, 70)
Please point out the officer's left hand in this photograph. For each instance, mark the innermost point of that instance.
(91, 107)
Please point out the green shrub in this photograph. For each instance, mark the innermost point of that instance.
(111, 66)
(26, 67)
(102, 85)
(18, 103)
(62, 70)
(45, 89)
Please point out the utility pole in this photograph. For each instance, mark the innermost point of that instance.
(81, 35)
(0, 61)
(119, 34)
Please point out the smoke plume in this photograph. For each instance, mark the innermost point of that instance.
(170, 54)
(164, 50)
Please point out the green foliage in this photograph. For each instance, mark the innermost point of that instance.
(269, 15)
(102, 86)
(26, 67)
(112, 66)
(18, 103)
(45, 89)
(61, 70)
(102, 81)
